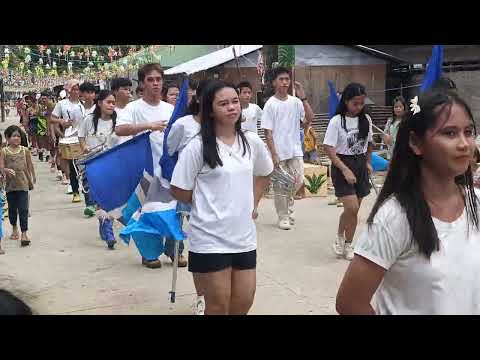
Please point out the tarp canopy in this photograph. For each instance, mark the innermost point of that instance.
(212, 60)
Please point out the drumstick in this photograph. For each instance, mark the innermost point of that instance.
(376, 127)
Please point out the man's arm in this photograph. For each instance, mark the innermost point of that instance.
(300, 91)
(134, 129)
(271, 147)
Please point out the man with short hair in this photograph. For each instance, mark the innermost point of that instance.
(251, 113)
(69, 113)
(281, 120)
(148, 113)
(122, 88)
(87, 92)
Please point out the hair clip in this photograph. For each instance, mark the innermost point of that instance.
(414, 107)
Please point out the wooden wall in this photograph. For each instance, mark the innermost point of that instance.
(314, 78)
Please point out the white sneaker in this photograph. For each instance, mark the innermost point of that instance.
(199, 306)
(349, 251)
(339, 246)
(291, 217)
(69, 190)
(284, 224)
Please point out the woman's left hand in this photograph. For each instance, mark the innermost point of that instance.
(254, 214)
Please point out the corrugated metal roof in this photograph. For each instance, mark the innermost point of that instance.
(212, 60)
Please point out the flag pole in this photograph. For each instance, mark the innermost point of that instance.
(237, 63)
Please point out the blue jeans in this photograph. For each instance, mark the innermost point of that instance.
(310, 155)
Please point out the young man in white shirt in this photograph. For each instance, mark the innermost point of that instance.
(148, 113)
(69, 114)
(282, 115)
(87, 94)
(122, 88)
(251, 113)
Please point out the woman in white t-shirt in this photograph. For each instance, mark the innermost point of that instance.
(215, 172)
(96, 132)
(348, 145)
(420, 253)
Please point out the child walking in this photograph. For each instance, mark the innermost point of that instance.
(16, 164)
(98, 131)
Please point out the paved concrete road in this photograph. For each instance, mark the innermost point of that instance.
(68, 270)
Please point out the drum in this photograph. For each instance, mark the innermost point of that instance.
(70, 148)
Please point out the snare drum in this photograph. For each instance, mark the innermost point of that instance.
(70, 148)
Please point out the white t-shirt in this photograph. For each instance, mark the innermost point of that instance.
(90, 110)
(448, 283)
(283, 118)
(252, 115)
(103, 135)
(139, 112)
(121, 139)
(65, 109)
(183, 130)
(221, 217)
(347, 142)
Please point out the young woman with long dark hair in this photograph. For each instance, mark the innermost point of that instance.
(420, 253)
(391, 127)
(98, 131)
(348, 145)
(215, 173)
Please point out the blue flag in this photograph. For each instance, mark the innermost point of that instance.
(168, 162)
(115, 174)
(434, 68)
(332, 100)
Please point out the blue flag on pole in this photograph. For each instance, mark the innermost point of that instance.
(332, 100)
(168, 162)
(115, 174)
(434, 68)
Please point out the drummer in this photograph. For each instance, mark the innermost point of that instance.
(96, 132)
(69, 114)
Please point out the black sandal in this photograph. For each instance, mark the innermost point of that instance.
(24, 243)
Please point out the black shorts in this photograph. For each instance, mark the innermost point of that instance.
(206, 263)
(358, 165)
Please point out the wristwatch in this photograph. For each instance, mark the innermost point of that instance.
(304, 99)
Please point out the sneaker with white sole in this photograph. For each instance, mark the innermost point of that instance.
(284, 224)
(199, 306)
(349, 251)
(291, 217)
(69, 190)
(339, 246)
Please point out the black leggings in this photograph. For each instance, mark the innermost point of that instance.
(18, 207)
